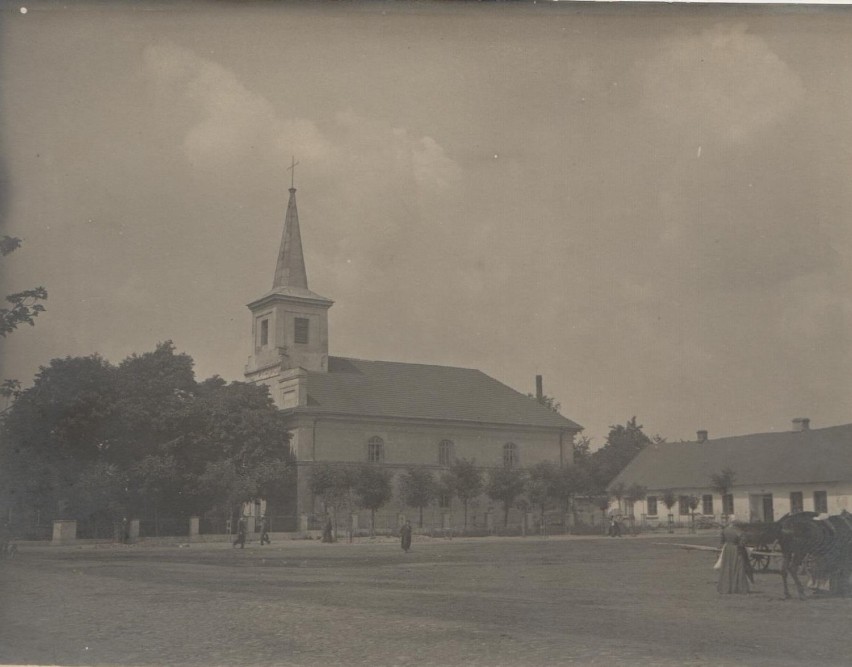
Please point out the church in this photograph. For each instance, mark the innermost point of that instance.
(397, 415)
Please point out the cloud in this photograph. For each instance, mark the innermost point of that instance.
(230, 124)
(721, 84)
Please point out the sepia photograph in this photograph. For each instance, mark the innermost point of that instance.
(425, 333)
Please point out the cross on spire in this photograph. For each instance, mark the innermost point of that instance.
(292, 170)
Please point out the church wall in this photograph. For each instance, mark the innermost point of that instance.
(406, 445)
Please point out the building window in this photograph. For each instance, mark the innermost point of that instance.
(821, 502)
(444, 500)
(264, 333)
(707, 504)
(651, 502)
(628, 508)
(445, 452)
(300, 331)
(683, 505)
(375, 450)
(797, 502)
(728, 503)
(510, 455)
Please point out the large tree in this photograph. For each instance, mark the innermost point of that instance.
(623, 443)
(171, 441)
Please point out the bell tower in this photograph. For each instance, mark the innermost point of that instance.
(289, 323)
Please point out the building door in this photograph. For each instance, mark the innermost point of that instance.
(760, 507)
(768, 514)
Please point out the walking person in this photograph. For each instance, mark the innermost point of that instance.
(242, 527)
(328, 532)
(264, 531)
(405, 536)
(735, 572)
(614, 527)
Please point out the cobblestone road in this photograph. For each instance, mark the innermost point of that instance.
(473, 602)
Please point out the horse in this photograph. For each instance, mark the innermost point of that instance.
(825, 544)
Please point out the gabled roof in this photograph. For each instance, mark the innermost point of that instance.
(811, 456)
(418, 391)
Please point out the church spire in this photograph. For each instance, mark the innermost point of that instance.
(290, 270)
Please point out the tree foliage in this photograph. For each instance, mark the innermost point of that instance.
(723, 481)
(505, 485)
(463, 480)
(24, 306)
(373, 488)
(547, 401)
(165, 439)
(541, 485)
(417, 488)
(623, 443)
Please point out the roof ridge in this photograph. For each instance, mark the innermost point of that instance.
(404, 363)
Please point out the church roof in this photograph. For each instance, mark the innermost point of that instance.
(290, 269)
(420, 391)
(810, 456)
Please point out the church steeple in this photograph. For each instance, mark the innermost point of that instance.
(289, 323)
(290, 269)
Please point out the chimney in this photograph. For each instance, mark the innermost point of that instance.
(801, 424)
(702, 436)
(539, 391)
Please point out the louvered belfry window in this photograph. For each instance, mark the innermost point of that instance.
(300, 332)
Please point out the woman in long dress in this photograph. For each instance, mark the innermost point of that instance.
(735, 572)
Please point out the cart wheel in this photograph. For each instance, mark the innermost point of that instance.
(759, 562)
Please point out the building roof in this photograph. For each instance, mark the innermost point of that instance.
(810, 456)
(419, 391)
(290, 268)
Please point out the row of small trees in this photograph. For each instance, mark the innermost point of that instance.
(544, 486)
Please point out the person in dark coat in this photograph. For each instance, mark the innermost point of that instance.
(264, 531)
(405, 536)
(242, 527)
(327, 531)
(614, 527)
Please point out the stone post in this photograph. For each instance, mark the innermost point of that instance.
(193, 528)
(64, 532)
(133, 531)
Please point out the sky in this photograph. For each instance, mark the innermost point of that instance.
(648, 205)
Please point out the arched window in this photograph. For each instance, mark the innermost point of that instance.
(445, 452)
(375, 449)
(510, 455)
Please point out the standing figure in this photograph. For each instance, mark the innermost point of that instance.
(405, 536)
(264, 531)
(735, 571)
(242, 527)
(614, 527)
(327, 531)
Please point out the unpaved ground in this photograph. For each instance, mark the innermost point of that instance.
(463, 602)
